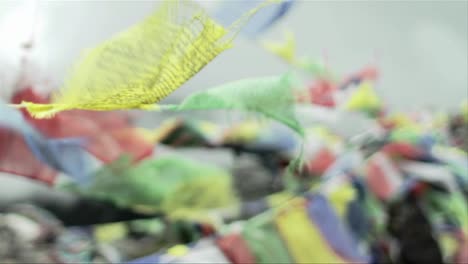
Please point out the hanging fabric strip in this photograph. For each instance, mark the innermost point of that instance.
(144, 64)
(264, 241)
(303, 239)
(66, 155)
(108, 135)
(333, 229)
(270, 96)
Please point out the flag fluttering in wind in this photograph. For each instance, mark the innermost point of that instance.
(364, 99)
(191, 185)
(65, 155)
(299, 232)
(108, 134)
(16, 158)
(144, 64)
(272, 97)
(286, 50)
(333, 229)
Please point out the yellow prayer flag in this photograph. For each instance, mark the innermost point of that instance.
(304, 240)
(144, 64)
(341, 197)
(285, 50)
(364, 98)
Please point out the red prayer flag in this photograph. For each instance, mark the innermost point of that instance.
(235, 249)
(321, 161)
(321, 93)
(403, 149)
(383, 177)
(16, 158)
(109, 134)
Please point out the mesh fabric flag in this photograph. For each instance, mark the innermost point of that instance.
(269, 96)
(464, 110)
(142, 65)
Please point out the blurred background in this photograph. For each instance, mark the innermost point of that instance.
(419, 47)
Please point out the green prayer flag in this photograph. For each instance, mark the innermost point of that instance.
(165, 184)
(264, 241)
(271, 96)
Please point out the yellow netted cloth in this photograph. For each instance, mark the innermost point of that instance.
(142, 65)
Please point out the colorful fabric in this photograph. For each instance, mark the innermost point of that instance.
(260, 137)
(107, 135)
(235, 249)
(121, 73)
(66, 155)
(333, 229)
(171, 184)
(286, 50)
(303, 239)
(264, 241)
(151, 259)
(183, 133)
(322, 92)
(341, 196)
(269, 96)
(404, 150)
(16, 158)
(369, 73)
(204, 251)
(321, 161)
(383, 177)
(364, 99)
